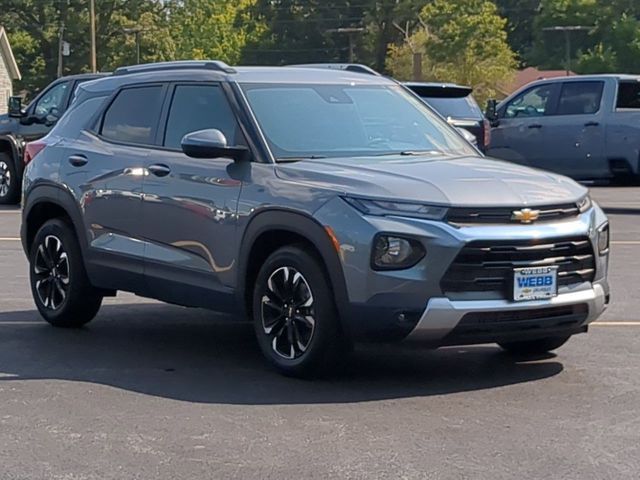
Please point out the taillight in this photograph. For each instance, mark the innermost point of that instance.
(31, 150)
(487, 132)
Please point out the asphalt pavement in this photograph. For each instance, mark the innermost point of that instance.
(153, 391)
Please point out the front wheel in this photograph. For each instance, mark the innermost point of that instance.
(535, 347)
(294, 314)
(59, 283)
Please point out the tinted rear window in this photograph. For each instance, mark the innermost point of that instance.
(133, 116)
(464, 107)
(577, 98)
(628, 95)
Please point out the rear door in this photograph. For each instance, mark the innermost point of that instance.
(575, 137)
(190, 204)
(522, 126)
(108, 167)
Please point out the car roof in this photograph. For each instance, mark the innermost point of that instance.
(85, 76)
(218, 71)
(435, 85)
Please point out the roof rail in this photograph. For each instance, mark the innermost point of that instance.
(216, 65)
(351, 67)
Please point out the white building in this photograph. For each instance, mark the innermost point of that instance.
(8, 70)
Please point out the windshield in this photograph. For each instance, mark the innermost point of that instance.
(457, 107)
(307, 121)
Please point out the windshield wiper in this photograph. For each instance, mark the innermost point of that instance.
(297, 159)
(410, 153)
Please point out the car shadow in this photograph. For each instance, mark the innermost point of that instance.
(198, 356)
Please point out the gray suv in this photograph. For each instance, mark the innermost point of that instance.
(327, 206)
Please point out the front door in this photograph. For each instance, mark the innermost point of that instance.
(190, 204)
(520, 133)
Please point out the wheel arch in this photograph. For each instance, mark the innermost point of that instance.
(274, 228)
(44, 202)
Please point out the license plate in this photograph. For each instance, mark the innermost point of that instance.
(535, 283)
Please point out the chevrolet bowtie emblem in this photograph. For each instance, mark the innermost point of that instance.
(526, 215)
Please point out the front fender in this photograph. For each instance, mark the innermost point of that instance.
(300, 224)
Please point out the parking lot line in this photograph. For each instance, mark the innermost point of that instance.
(9, 239)
(616, 324)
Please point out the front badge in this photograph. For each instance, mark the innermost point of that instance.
(526, 215)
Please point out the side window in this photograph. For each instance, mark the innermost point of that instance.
(198, 107)
(52, 101)
(78, 116)
(628, 95)
(133, 116)
(531, 103)
(579, 98)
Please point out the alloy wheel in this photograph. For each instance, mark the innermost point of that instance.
(287, 312)
(51, 268)
(5, 179)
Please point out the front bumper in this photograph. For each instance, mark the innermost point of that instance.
(442, 316)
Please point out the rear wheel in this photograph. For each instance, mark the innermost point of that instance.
(59, 283)
(9, 184)
(533, 347)
(294, 314)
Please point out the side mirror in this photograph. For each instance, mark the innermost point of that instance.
(468, 136)
(491, 111)
(211, 143)
(15, 107)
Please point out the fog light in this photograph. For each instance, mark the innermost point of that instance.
(395, 253)
(603, 239)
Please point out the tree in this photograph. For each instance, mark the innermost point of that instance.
(212, 29)
(464, 42)
(611, 43)
(34, 27)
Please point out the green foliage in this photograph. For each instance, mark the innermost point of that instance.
(212, 29)
(464, 42)
(612, 42)
(168, 29)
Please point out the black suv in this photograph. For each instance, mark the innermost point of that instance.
(457, 105)
(22, 125)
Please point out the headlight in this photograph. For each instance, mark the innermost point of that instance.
(584, 204)
(391, 252)
(603, 239)
(390, 207)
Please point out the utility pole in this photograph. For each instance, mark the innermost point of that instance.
(60, 46)
(136, 32)
(567, 30)
(92, 21)
(351, 32)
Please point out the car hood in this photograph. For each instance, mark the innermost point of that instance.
(459, 181)
(7, 124)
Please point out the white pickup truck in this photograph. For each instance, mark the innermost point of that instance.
(586, 127)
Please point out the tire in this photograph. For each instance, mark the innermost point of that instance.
(62, 293)
(535, 347)
(9, 183)
(292, 299)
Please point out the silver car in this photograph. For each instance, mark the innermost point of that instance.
(326, 206)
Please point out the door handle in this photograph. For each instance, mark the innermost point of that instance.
(78, 160)
(591, 124)
(535, 125)
(159, 170)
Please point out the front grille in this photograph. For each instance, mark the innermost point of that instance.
(486, 267)
(501, 215)
(494, 326)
